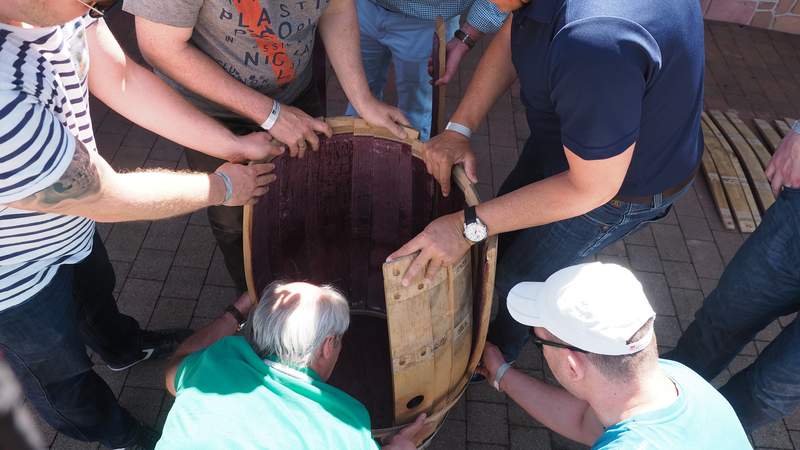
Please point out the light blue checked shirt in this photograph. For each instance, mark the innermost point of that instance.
(483, 14)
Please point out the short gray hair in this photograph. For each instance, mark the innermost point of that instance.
(294, 329)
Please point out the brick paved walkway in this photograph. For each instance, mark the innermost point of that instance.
(170, 273)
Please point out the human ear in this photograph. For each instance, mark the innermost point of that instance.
(576, 366)
(328, 347)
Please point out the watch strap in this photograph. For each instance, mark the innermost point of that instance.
(470, 215)
(240, 318)
(465, 38)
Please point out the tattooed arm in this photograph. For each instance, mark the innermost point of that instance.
(91, 188)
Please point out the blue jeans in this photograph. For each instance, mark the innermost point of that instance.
(760, 284)
(44, 340)
(392, 37)
(533, 254)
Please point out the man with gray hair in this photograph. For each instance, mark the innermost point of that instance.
(267, 389)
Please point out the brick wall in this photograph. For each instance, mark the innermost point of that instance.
(779, 15)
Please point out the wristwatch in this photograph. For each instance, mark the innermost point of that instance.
(465, 38)
(237, 315)
(475, 231)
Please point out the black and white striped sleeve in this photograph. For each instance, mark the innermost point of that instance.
(35, 147)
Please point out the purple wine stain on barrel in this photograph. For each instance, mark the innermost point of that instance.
(333, 218)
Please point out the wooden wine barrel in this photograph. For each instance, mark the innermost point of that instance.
(333, 217)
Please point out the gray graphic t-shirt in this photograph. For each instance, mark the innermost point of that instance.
(265, 44)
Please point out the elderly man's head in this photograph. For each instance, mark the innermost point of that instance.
(302, 324)
(594, 324)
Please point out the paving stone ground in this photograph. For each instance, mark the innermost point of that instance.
(171, 274)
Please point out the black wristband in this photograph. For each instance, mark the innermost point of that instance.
(237, 315)
(465, 38)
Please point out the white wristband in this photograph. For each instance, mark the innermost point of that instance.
(796, 126)
(273, 116)
(226, 180)
(498, 376)
(460, 129)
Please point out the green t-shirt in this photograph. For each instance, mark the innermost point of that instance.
(229, 398)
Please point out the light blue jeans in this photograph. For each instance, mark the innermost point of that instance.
(405, 41)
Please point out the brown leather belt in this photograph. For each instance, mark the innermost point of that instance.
(648, 199)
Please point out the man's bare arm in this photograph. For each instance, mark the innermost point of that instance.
(587, 185)
(338, 28)
(148, 101)
(553, 406)
(169, 50)
(494, 76)
(222, 326)
(90, 188)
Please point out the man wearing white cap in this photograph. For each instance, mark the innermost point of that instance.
(595, 327)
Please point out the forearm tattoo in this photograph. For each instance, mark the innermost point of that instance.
(80, 180)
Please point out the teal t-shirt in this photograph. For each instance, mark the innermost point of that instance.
(700, 418)
(229, 398)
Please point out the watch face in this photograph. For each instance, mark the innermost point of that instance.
(475, 232)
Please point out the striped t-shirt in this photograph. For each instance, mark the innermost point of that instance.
(44, 107)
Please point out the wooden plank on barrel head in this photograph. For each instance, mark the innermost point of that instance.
(341, 124)
(733, 182)
(754, 172)
(445, 316)
(459, 176)
(759, 149)
(769, 134)
(483, 311)
(461, 301)
(362, 128)
(783, 128)
(410, 320)
(439, 53)
(717, 191)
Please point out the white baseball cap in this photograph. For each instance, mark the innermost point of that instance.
(595, 307)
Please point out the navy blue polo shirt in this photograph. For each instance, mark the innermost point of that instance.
(598, 76)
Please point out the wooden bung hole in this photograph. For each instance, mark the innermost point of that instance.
(414, 402)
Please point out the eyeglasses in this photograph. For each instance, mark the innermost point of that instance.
(542, 342)
(97, 8)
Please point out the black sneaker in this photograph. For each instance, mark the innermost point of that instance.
(155, 345)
